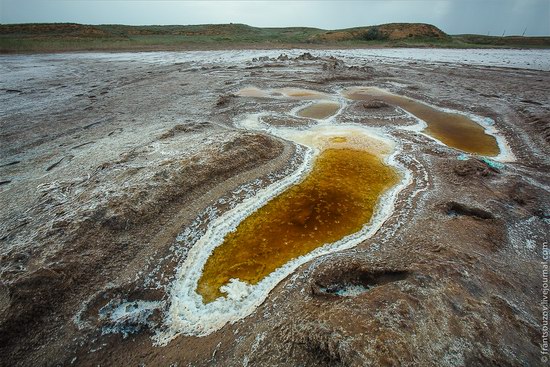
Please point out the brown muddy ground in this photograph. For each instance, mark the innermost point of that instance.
(103, 163)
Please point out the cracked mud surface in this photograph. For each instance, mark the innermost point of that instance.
(105, 162)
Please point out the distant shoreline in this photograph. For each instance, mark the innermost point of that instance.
(223, 47)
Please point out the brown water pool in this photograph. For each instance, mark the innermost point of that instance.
(319, 110)
(292, 93)
(452, 129)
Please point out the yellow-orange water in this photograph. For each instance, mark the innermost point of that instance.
(336, 199)
(454, 130)
(320, 110)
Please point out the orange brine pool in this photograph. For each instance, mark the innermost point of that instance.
(336, 199)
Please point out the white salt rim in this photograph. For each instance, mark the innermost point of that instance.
(188, 314)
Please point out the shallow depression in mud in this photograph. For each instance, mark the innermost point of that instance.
(453, 129)
(336, 199)
(291, 93)
(319, 110)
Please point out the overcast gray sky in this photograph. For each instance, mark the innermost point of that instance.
(452, 16)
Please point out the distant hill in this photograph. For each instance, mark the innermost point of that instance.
(74, 37)
(384, 32)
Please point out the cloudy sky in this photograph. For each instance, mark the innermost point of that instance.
(453, 16)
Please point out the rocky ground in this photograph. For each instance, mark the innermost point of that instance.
(104, 161)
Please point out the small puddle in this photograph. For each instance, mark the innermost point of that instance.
(298, 93)
(320, 110)
(336, 199)
(253, 92)
(293, 93)
(452, 129)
